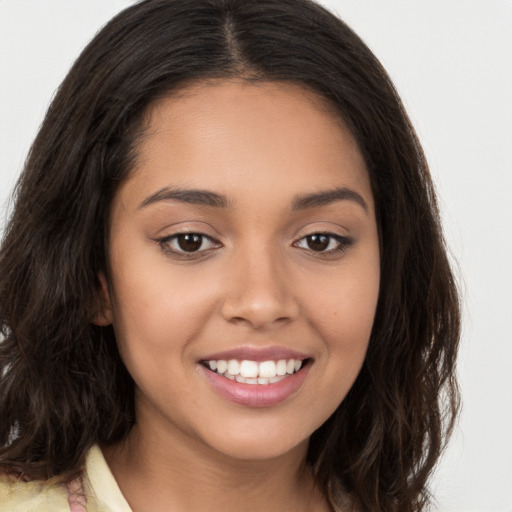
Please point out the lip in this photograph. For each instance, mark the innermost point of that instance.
(258, 354)
(256, 395)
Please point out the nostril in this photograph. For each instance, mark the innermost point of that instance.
(259, 314)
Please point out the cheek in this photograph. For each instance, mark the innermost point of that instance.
(154, 311)
(343, 312)
(344, 309)
(157, 324)
(345, 323)
(160, 309)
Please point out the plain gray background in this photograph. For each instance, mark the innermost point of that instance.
(452, 62)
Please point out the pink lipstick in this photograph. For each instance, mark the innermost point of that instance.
(256, 377)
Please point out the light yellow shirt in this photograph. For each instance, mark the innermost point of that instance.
(100, 488)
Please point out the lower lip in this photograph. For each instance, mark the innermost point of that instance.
(256, 395)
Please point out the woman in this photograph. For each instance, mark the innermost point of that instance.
(224, 282)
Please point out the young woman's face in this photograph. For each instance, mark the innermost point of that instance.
(243, 243)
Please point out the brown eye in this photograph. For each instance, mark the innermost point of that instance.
(318, 242)
(189, 242)
(324, 243)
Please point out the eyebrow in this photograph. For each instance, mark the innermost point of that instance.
(198, 197)
(212, 199)
(327, 197)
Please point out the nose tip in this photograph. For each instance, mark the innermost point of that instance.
(259, 295)
(259, 313)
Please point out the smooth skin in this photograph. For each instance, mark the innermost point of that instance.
(285, 254)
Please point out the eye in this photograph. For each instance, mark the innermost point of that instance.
(324, 243)
(187, 243)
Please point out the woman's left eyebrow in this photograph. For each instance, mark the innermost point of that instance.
(326, 197)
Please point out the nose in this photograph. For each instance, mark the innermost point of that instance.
(259, 291)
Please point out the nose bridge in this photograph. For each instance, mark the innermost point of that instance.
(259, 292)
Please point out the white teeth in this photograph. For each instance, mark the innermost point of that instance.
(268, 369)
(233, 367)
(281, 367)
(222, 366)
(253, 380)
(249, 369)
(252, 372)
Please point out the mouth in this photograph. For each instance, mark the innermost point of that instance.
(252, 372)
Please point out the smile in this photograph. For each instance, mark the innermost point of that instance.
(254, 372)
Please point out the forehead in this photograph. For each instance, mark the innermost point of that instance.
(264, 136)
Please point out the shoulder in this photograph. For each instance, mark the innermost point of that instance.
(19, 496)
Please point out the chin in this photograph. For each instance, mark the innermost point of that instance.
(258, 443)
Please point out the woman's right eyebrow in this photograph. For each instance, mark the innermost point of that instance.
(191, 196)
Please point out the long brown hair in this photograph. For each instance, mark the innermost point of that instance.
(63, 386)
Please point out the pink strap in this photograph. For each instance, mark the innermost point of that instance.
(76, 496)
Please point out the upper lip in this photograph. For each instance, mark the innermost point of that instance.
(258, 354)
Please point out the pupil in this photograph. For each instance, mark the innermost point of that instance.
(190, 242)
(318, 242)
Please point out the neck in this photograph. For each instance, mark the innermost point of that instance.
(159, 472)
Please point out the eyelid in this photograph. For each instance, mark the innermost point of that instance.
(343, 243)
(164, 243)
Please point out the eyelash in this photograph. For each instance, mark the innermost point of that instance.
(343, 243)
(165, 244)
